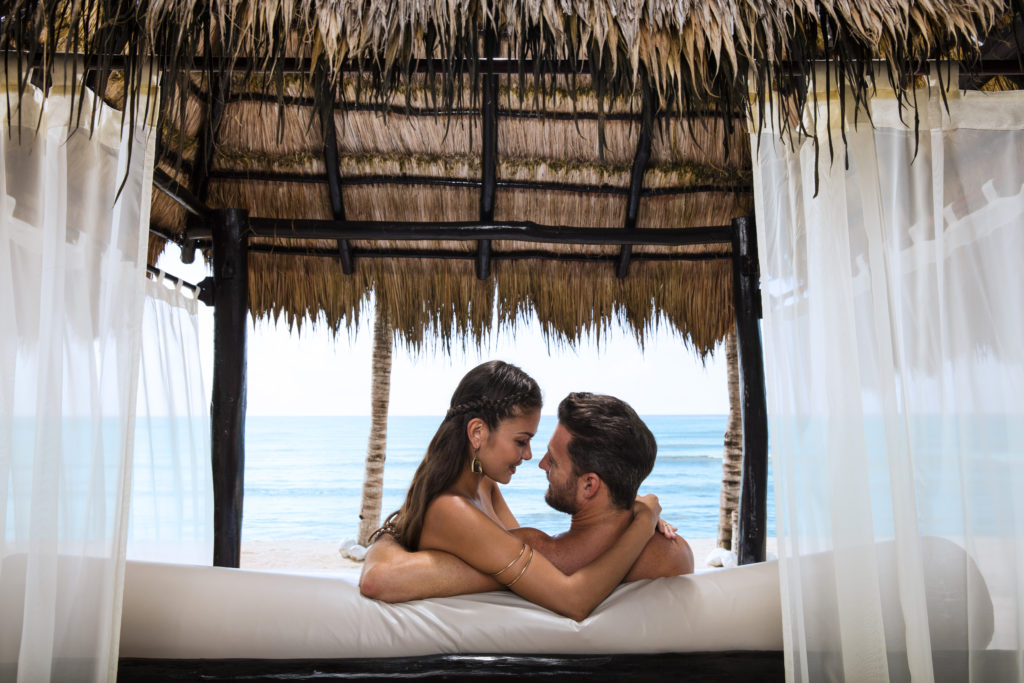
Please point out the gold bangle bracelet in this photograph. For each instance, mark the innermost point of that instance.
(522, 571)
(514, 560)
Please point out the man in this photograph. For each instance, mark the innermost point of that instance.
(597, 458)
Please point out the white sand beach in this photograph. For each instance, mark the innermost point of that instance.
(324, 556)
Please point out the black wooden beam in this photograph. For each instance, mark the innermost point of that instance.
(636, 185)
(200, 212)
(200, 169)
(436, 112)
(471, 183)
(227, 407)
(208, 139)
(282, 228)
(489, 150)
(163, 234)
(330, 136)
(753, 512)
(181, 194)
(452, 254)
(301, 66)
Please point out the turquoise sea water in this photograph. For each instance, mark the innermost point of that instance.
(304, 475)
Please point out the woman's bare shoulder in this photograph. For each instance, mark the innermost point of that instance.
(452, 521)
(451, 504)
(452, 511)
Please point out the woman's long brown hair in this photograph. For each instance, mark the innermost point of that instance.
(493, 391)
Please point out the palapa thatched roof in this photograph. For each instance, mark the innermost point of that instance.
(254, 91)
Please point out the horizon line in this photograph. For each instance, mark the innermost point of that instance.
(441, 415)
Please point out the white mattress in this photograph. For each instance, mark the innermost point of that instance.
(190, 612)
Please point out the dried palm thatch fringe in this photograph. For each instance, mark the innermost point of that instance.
(309, 290)
(688, 53)
(574, 301)
(442, 305)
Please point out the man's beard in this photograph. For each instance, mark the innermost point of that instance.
(562, 499)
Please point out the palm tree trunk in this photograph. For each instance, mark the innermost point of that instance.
(732, 457)
(376, 448)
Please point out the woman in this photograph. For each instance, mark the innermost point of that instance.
(454, 503)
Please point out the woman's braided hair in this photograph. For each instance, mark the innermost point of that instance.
(484, 405)
(493, 391)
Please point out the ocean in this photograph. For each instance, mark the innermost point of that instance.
(304, 475)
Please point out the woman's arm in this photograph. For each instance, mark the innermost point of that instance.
(453, 524)
(393, 574)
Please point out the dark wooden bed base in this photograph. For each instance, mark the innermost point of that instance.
(707, 666)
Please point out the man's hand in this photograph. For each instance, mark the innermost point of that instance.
(665, 529)
(393, 574)
(648, 504)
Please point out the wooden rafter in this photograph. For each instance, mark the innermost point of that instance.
(330, 135)
(636, 184)
(489, 152)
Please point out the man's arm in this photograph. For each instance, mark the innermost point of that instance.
(393, 574)
(662, 557)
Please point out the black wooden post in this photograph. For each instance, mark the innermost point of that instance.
(747, 303)
(227, 410)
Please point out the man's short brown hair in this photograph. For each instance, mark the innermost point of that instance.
(610, 440)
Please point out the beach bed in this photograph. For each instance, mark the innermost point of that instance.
(181, 621)
(184, 622)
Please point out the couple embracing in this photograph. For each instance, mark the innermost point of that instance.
(455, 534)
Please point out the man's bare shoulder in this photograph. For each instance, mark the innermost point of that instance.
(533, 537)
(662, 557)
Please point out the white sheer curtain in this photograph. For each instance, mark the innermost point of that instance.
(172, 487)
(72, 259)
(894, 345)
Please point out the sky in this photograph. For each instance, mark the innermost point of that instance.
(311, 373)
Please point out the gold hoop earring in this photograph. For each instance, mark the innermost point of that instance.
(475, 466)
